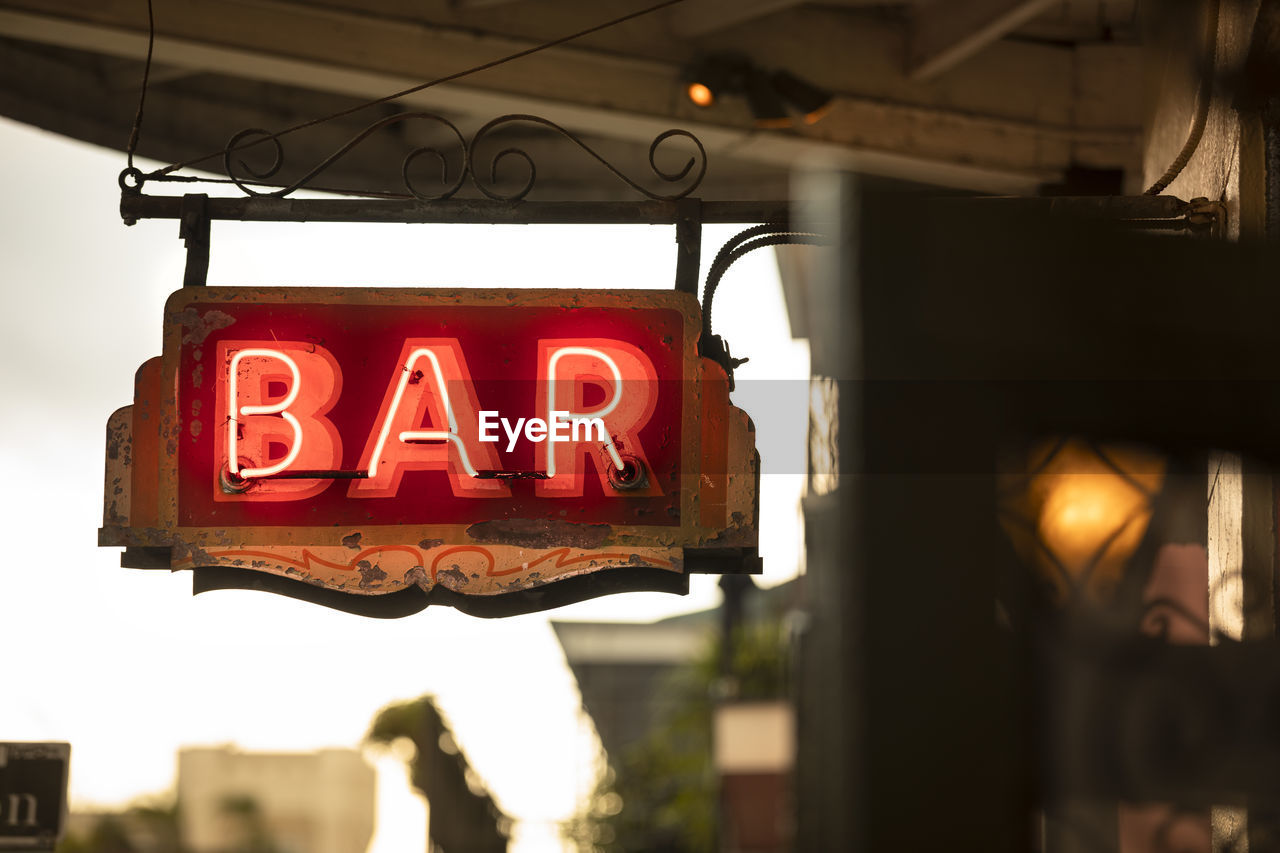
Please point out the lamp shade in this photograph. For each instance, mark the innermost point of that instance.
(1079, 511)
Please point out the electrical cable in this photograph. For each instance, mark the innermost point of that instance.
(756, 237)
(1204, 98)
(173, 167)
(716, 270)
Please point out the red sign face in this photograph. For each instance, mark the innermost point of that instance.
(391, 401)
(284, 429)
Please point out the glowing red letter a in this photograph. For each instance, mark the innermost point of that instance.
(431, 379)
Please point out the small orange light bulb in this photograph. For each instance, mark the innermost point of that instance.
(700, 94)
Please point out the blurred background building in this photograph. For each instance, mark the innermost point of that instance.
(234, 800)
(697, 732)
(229, 800)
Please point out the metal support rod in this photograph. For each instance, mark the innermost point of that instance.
(135, 206)
(1115, 208)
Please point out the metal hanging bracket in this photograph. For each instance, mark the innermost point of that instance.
(689, 244)
(193, 228)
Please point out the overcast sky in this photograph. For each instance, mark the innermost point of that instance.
(128, 666)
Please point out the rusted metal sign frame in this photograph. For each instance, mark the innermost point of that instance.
(717, 530)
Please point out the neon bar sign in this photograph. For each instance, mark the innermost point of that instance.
(490, 441)
(429, 381)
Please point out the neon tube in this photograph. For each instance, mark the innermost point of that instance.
(422, 435)
(583, 416)
(233, 462)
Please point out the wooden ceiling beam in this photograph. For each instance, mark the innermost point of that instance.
(946, 34)
(695, 18)
(880, 123)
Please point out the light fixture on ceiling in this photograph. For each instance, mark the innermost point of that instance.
(701, 94)
(713, 76)
(812, 101)
(772, 97)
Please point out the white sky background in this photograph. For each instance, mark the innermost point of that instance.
(128, 666)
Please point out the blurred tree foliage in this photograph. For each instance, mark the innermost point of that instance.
(107, 836)
(141, 828)
(415, 719)
(155, 827)
(462, 815)
(661, 793)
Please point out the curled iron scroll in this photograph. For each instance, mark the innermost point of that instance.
(246, 177)
(255, 182)
(700, 161)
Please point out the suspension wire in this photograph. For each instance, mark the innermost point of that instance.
(146, 75)
(173, 167)
(1204, 97)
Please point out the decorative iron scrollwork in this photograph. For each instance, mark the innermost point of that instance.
(244, 139)
(252, 181)
(699, 160)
